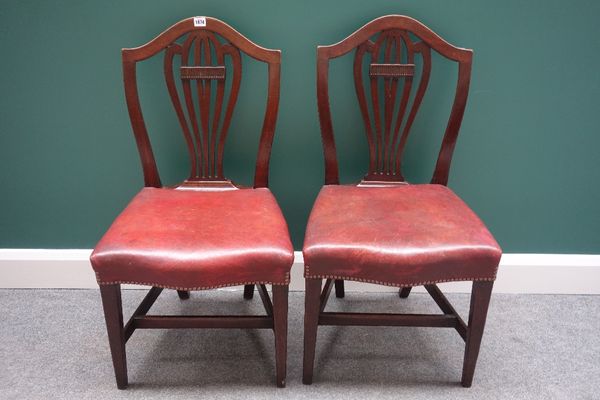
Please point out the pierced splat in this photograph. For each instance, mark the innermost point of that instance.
(202, 58)
(386, 138)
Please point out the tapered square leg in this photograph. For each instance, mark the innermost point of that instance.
(404, 292)
(183, 294)
(312, 304)
(280, 322)
(480, 300)
(113, 313)
(248, 291)
(339, 289)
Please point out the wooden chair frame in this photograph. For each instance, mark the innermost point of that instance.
(119, 333)
(316, 299)
(206, 173)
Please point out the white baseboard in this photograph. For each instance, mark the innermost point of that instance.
(518, 273)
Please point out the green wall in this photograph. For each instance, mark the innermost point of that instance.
(527, 160)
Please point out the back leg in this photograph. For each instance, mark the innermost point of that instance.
(405, 291)
(248, 291)
(183, 294)
(339, 289)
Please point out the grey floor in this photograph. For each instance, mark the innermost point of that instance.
(53, 345)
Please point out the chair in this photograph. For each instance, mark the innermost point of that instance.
(384, 230)
(206, 232)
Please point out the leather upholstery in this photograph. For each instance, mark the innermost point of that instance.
(189, 239)
(403, 236)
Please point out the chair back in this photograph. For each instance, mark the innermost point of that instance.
(204, 103)
(384, 50)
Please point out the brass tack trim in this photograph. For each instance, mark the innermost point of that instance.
(285, 283)
(350, 278)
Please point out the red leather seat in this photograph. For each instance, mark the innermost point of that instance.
(191, 240)
(408, 235)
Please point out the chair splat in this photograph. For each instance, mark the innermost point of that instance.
(205, 133)
(384, 115)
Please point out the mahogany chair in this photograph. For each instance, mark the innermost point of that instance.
(206, 232)
(384, 230)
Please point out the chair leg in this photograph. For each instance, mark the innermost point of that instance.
(280, 323)
(312, 303)
(339, 289)
(404, 292)
(248, 291)
(480, 300)
(183, 294)
(113, 314)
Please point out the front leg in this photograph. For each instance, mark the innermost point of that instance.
(113, 314)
